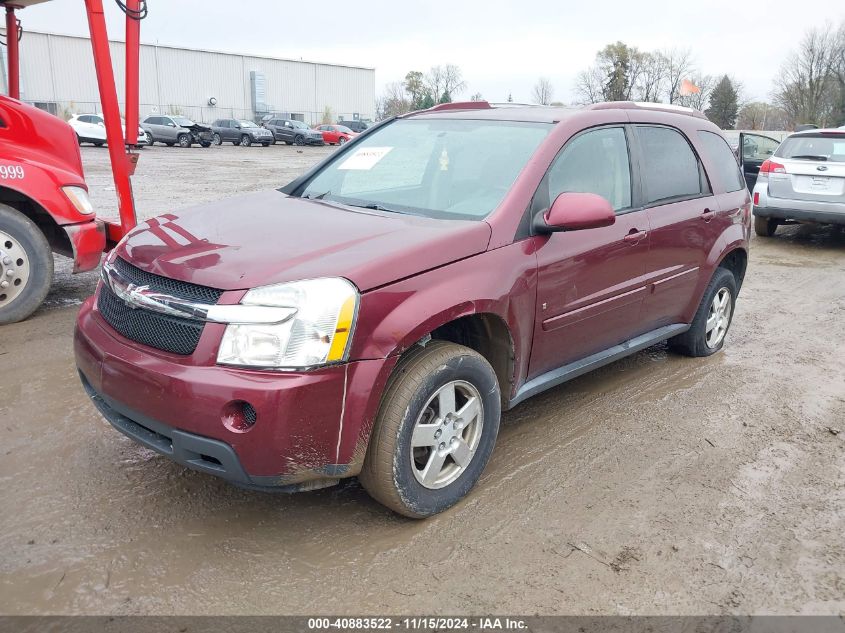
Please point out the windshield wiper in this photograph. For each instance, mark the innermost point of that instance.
(376, 207)
(808, 157)
(318, 196)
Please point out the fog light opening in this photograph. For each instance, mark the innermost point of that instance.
(239, 416)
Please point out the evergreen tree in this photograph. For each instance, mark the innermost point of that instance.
(724, 104)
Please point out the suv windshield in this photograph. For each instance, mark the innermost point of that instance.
(247, 123)
(825, 147)
(446, 168)
(182, 121)
(299, 125)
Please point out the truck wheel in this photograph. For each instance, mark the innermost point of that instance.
(710, 324)
(435, 430)
(216, 139)
(245, 141)
(765, 227)
(184, 140)
(26, 266)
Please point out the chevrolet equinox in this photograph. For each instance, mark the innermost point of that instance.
(374, 317)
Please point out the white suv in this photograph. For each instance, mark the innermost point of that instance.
(803, 181)
(90, 128)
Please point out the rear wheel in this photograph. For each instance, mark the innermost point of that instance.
(710, 324)
(435, 430)
(765, 227)
(26, 266)
(184, 140)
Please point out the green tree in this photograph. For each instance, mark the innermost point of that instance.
(414, 85)
(445, 97)
(724, 104)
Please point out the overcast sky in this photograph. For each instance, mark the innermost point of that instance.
(501, 46)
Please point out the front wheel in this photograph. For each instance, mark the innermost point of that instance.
(205, 144)
(184, 140)
(435, 430)
(245, 141)
(710, 324)
(299, 140)
(26, 266)
(765, 227)
(342, 140)
(149, 139)
(216, 139)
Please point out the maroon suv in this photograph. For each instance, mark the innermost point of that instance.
(374, 317)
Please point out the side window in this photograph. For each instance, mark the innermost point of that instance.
(719, 152)
(670, 167)
(85, 118)
(594, 162)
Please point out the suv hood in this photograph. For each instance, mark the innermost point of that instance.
(269, 237)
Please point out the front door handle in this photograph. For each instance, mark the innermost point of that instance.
(708, 215)
(635, 236)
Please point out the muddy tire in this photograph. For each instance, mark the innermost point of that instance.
(435, 431)
(25, 252)
(765, 227)
(712, 320)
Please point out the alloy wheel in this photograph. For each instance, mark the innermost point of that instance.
(14, 269)
(718, 318)
(447, 434)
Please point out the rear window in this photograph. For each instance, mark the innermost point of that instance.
(671, 170)
(821, 147)
(719, 152)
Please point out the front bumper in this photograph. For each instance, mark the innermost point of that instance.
(87, 241)
(309, 426)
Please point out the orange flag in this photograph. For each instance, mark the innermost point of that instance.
(688, 88)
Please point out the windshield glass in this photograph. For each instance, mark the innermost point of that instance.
(446, 168)
(299, 125)
(247, 124)
(343, 128)
(823, 147)
(182, 121)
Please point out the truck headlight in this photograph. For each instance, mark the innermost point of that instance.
(79, 199)
(319, 332)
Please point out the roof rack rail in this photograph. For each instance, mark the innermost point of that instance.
(643, 105)
(460, 105)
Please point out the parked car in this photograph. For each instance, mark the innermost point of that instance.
(356, 126)
(336, 134)
(175, 130)
(91, 128)
(374, 317)
(293, 132)
(802, 181)
(240, 132)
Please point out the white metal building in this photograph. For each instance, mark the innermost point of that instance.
(57, 74)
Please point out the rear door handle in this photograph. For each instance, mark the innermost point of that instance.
(708, 215)
(635, 236)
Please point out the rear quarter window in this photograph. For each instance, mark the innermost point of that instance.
(719, 152)
(671, 170)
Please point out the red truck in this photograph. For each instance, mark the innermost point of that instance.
(374, 317)
(44, 207)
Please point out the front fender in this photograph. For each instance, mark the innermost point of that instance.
(502, 282)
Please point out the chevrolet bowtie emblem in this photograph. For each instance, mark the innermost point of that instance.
(131, 294)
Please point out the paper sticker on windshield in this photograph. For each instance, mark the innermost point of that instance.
(365, 158)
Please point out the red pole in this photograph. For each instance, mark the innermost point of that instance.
(133, 46)
(122, 163)
(12, 52)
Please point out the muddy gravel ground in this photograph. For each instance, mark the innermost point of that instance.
(657, 485)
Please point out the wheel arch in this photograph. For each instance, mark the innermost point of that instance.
(56, 236)
(736, 261)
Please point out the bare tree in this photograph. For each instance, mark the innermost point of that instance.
(679, 65)
(543, 91)
(453, 80)
(476, 97)
(651, 77)
(808, 85)
(393, 102)
(589, 85)
(444, 81)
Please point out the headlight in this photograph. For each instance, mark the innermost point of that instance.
(79, 199)
(319, 332)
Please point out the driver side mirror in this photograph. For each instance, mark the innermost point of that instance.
(574, 212)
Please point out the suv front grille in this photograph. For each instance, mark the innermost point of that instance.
(160, 331)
